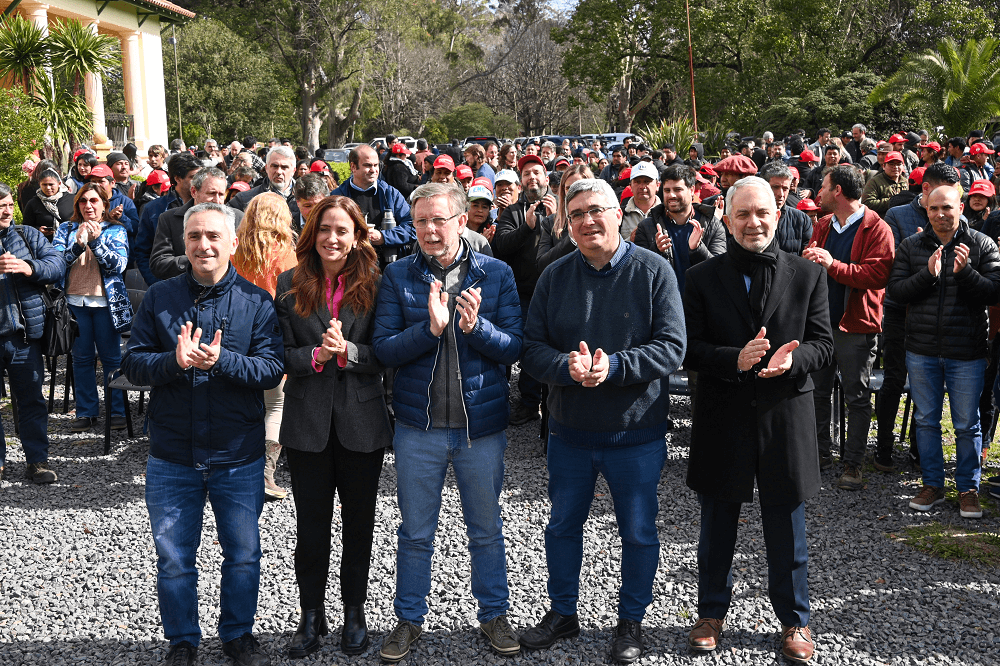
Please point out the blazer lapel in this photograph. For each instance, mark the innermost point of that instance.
(783, 274)
(735, 286)
(347, 319)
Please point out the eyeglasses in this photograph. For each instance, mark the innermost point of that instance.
(436, 221)
(577, 217)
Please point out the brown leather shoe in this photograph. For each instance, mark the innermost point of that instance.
(797, 644)
(704, 636)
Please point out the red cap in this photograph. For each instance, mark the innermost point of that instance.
(319, 166)
(159, 177)
(399, 148)
(880, 144)
(934, 145)
(529, 159)
(897, 138)
(917, 176)
(708, 191)
(795, 172)
(807, 156)
(626, 194)
(740, 164)
(101, 171)
(806, 205)
(444, 162)
(82, 151)
(463, 171)
(707, 170)
(562, 159)
(484, 181)
(980, 149)
(626, 174)
(894, 156)
(983, 187)
(240, 186)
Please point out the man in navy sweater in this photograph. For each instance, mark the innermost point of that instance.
(605, 353)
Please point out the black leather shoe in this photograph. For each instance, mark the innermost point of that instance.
(627, 645)
(246, 651)
(305, 641)
(181, 654)
(552, 627)
(354, 639)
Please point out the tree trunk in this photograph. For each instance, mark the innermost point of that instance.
(340, 121)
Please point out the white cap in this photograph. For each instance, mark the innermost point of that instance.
(507, 176)
(480, 192)
(644, 169)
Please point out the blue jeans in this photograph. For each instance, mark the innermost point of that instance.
(96, 330)
(422, 458)
(929, 376)
(633, 474)
(175, 498)
(23, 361)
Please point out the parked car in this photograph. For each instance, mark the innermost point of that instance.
(409, 141)
(481, 140)
(336, 154)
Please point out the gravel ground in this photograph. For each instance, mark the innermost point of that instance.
(77, 581)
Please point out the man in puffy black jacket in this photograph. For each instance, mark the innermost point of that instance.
(947, 275)
(28, 262)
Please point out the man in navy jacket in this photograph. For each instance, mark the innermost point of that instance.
(449, 320)
(208, 342)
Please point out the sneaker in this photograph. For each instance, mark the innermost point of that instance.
(991, 481)
(883, 463)
(246, 651)
(851, 479)
(273, 490)
(825, 461)
(397, 644)
(181, 654)
(502, 637)
(969, 505)
(40, 473)
(83, 424)
(118, 423)
(524, 414)
(927, 498)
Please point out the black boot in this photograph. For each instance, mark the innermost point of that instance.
(306, 638)
(354, 639)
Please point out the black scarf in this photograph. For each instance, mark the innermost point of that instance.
(760, 267)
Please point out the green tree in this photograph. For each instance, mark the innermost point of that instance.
(957, 86)
(23, 132)
(24, 52)
(475, 118)
(76, 51)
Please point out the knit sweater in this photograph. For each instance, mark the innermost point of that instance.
(632, 311)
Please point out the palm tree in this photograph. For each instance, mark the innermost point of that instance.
(75, 51)
(954, 86)
(24, 53)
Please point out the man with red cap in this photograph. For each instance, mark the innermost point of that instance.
(887, 183)
(516, 242)
(444, 170)
(399, 171)
(463, 176)
(979, 167)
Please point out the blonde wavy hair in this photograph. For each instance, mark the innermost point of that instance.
(265, 234)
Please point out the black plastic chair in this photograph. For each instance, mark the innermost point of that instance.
(118, 382)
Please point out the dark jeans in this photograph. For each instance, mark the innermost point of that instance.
(23, 362)
(315, 478)
(854, 354)
(530, 388)
(894, 369)
(987, 403)
(787, 559)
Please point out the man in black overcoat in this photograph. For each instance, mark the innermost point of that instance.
(758, 324)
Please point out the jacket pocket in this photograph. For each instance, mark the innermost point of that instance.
(294, 388)
(370, 391)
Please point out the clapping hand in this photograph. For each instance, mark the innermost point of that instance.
(333, 343)
(589, 370)
(190, 353)
(753, 351)
(468, 307)
(961, 257)
(934, 261)
(781, 361)
(437, 307)
(663, 242)
(696, 233)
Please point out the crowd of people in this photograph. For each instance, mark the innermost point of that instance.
(285, 311)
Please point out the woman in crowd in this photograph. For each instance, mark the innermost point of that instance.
(237, 187)
(78, 175)
(266, 250)
(555, 241)
(335, 425)
(95, 249)
(508, 156)
(301, 168)
(980, 202)
(51, 205)
(28, 189)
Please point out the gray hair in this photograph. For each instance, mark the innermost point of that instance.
(867, 144)
(597, 186)
(459, 203)
(549, 144)
(775, 170)
(5, 191)
(859, 126)
(767, 136)
(310, 186)
(752, 182)
(204, 174)
(283, 151)
(228, 213)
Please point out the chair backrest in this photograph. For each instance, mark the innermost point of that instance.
(135, 298)
(134, 280)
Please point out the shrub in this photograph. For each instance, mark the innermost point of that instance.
(23, 132)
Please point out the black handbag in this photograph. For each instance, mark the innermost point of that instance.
(61, 327)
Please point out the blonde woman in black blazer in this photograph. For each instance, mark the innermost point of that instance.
(335, 426)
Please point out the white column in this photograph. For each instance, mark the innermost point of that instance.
(132, 73)
(39, 15)
(94, 91)
(152, 70)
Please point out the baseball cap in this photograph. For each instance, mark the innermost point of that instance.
(82, 151)
(644, 169)
(239, 186)
(319, 166)
(807, 156)
(626, 174)
(707, 170)
(444, 162)
(463, 171)
(159, 177)
(529, 159)
(101, 171)
(980, 148)
(506, 176)
(894, 156)
(983, 187)
(884, 147)
(481, 189)
(897, 138)
(934, 145)
(400, 149)
(561, 160)
(115, 157)
(806, 205)
(916, 176)
(795, 172)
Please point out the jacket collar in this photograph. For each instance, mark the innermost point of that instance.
(735, 286)
(201, 292)
(422, 270)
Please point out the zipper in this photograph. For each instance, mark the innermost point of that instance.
(437, 355)
(468, 433)
(941, 290)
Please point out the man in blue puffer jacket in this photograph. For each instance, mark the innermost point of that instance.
(449, 320)
(28, 262)
(208, 343)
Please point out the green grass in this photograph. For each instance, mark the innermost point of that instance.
(953, 543)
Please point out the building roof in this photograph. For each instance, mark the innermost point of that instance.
(164, 9)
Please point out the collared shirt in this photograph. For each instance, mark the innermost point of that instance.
(615, 258)
(835, 223)
(367, 189)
